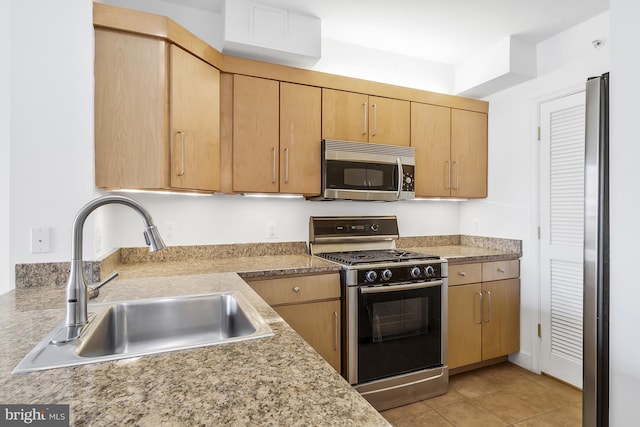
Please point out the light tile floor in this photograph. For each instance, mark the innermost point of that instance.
(500, 395)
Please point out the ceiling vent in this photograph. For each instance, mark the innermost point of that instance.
(267, 33)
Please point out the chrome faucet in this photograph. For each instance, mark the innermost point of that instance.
(76, 317)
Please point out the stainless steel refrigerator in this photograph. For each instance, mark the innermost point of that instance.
(595, 397)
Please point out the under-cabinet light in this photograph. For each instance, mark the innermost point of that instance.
(436, 199)
(179, 193)
(273, 196)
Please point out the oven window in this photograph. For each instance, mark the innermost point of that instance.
(399, 332)
(361, 176)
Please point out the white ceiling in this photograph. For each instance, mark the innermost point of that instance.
(446, 31)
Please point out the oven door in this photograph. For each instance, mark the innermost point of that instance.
(399, 329)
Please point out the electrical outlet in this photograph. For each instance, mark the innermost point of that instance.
(169, 234)
(40, 240)
(272, 230)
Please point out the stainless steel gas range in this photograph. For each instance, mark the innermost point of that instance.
(394, 310)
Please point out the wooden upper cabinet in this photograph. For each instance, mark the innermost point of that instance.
(300, 133)
(195, 122)
(357, 117)
(389, 121)
(276, 136)
(344, 115)
(468, 154)
(431, 139)
(451, 151)
(147, 89)
(256, 137)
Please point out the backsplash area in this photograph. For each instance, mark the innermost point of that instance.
(57, 274)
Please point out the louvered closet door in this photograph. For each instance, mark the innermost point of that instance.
(562, 124)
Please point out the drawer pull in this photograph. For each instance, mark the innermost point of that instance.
(500, 270)
(462, 274)
(296, 289)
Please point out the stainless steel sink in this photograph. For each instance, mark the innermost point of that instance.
(143, 327)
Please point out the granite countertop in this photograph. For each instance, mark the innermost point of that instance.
(465, 254)
(277, 380)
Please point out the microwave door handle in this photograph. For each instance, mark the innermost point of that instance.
(400, 175)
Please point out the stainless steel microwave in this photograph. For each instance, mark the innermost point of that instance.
(361, 171)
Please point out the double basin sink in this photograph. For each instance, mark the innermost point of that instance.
(143, 327)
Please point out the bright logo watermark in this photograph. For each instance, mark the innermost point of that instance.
(34, 415)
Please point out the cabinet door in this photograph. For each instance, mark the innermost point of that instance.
(195, 122)
(501, 316)
(389, 121)
(465, 326)
(319, 324)
(344, 115)
(300, 133)
(255, 134)
(131, 117)
(468, 154)
(431, 139)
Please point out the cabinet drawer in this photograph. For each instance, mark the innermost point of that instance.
(291, 290)
(460, 274)
(499, 270)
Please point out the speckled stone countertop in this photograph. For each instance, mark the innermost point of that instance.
(277, 380)
(466, 254)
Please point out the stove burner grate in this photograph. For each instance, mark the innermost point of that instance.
(373, 256)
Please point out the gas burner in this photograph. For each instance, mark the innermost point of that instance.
(374, 256)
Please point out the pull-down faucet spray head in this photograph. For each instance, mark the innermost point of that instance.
(76, 316)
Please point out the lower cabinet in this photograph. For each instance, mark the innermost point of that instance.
(484, 311)
(311, 305)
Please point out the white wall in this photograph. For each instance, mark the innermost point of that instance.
(5, 122)
(346, 59)
(205, 24)
(236, 219)
(624, 209)
(51, 123)
(511, 210)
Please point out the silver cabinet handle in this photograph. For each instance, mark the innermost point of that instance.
(457, 175)
(500, 270)
(489, 307)
(273, 156)
(375, 119)
(182, 149)
(480, 322)
(336, 331)
(286, 165)
(400, 176)
(296, 289)
(448, 175)
(462, 274)
(364, 125)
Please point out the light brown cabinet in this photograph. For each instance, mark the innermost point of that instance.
(358, 117)
(484, 311)
(157, 115)
(311, 305)
(276, 136)
(451, 151)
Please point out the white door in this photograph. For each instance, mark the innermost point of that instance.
(562, 124)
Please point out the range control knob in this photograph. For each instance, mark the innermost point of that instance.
(414, 272)
(371, 276)
(429, 271)
(386, 274)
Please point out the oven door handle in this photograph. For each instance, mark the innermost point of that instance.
(397, 288)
